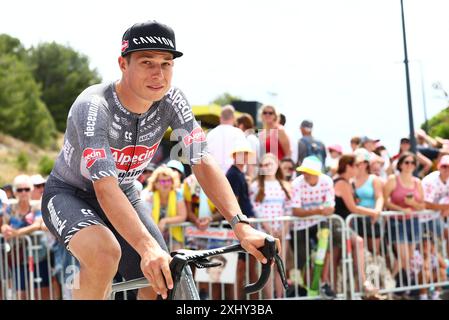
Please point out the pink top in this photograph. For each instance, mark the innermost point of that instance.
(400, 192)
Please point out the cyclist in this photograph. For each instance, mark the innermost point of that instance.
(90, 203)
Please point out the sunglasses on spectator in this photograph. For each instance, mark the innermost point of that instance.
(39, 185)
(20, 190)
(410, 162)
(444, 166)
(265, 165)
(289, 169)
(269, 113)
(165, 181)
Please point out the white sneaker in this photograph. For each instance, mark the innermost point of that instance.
(423, 297)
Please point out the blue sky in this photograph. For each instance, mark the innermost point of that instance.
(336, 62)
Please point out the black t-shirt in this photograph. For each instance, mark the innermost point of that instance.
(238, 184)
(429, 152)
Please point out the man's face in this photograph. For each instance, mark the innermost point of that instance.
(148, 74)
(310, 178)
(444, 171)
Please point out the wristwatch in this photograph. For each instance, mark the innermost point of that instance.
(238, 218)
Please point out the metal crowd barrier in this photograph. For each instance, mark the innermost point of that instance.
(301, 277)
(401, 253)
(24, 265)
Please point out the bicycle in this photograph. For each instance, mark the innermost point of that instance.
(183, 258)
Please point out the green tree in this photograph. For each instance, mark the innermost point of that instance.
(225, 98)
(22, 112)
(63, 74)
(12, 46)
(46, 165)
(438, 125)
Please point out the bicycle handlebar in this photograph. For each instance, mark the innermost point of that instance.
(199, 259)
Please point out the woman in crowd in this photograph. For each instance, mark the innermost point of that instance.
(403, 192)
(270, 197)
(424, 162)
(369, 194)
(345, 204)
(167, 205)
(273, 137)
(287, 166)
(23, 219)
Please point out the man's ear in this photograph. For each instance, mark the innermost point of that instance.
(123, 63)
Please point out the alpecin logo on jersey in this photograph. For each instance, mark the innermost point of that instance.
(91, 155)
(197, 135)
(132, 157)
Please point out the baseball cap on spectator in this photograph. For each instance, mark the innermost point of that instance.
(365, 139)
(311, 165)
(336, 147)
(242, 146)
(150, 167)
(307, 124)
(361, 154)
(149, 35)
(37, 179)
(175, 164)
(405, 140)
(444, 161)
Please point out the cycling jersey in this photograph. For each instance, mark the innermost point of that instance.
(104, 139)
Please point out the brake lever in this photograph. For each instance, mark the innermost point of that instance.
(281, 270)
(269, 251)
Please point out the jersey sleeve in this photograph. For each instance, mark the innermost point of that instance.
(91, 120)
(186, 130)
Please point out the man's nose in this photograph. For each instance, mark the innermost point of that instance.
(156, 72)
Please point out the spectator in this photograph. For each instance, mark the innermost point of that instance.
(273, 137)
(3, 203)
(22, 219)
(355, 143)
(287, 166)
(369, 194)
(335, 152)
(403, 192)
(221, 140)
(312, 195)
(141, 182)
(270, 199)
(9, 192)
(282, 119)
(424, 162)
(38, 187)
(385, 168)
(178, 168)
(431, 267)
(436, 194)
(246, 123)
(167, 205)
(237, 180)
(345, 204)
(200, 210)
(308, 145)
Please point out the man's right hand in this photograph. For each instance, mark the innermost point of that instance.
(155, 267)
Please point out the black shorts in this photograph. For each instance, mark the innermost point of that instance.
(67, 210)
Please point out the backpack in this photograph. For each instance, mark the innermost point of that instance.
(314, 148)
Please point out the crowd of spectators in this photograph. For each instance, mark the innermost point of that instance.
(269, 184)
